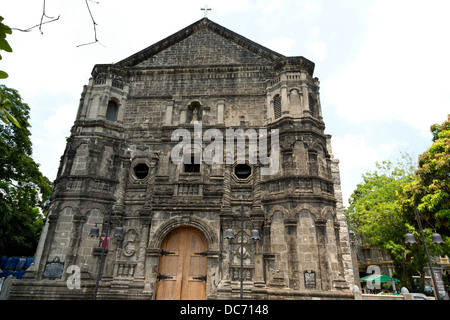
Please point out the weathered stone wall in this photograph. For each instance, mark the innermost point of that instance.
(228, 82)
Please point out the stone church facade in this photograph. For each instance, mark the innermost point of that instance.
(193, 229)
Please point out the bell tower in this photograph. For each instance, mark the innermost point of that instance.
(305, 183)
(105, 97)
(293, 92)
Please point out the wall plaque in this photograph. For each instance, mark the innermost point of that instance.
(53, 269)
(440, 286)
(310, 279)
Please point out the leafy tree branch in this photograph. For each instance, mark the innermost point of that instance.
(23, 188)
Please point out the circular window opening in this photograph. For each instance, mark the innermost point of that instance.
(242, 171)
(141, 171)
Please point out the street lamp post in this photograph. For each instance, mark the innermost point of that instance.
(436, 239)
(118, 232)
(229, 234)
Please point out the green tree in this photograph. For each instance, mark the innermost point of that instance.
(375, 213)
(430, 190)
(5, 107)
(430, 193)
(4, 45)
(23, 188)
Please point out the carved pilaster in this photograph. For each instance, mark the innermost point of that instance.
(52, 220)
(225, 210)
(224, 286)
(143, 243)
(257, 214)
(321, 225)
(74, 243)
(293, 263)
(121, 190)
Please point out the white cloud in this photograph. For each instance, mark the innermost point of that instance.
(37, 142)
(316, 51)
(268, 6)
(402, 69)
(281, 44)
(353, 152)
(310, 6)
(61, 121)
(355, 157)
(49, 138)
(220, 6)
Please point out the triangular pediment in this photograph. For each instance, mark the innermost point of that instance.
(200, 44)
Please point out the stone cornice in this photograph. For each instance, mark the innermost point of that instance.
(294, 63)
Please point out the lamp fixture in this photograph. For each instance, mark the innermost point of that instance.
(95, 232)
(229, 234)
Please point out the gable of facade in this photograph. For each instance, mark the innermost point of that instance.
(202, 43)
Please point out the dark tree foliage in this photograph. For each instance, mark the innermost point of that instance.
(23, 188)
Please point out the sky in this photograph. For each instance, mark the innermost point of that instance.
(383, 65)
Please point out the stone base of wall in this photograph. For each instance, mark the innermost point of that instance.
(58, 290)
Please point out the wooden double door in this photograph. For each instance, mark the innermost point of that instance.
(182, 266)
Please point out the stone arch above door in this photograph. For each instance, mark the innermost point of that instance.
(176, 222)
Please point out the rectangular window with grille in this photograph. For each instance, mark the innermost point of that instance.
(277, 106)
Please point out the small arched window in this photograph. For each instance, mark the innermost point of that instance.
(277, 106)
(194, 112)
(112, 110)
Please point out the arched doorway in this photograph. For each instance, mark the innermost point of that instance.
(182, 266)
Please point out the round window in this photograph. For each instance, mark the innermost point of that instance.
(242, 171)
(141, 170)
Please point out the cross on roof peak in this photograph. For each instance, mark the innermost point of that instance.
(206, 9)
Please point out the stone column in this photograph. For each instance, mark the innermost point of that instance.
(226, 222)
(123, 104)
(284, 100)
(268, 256)
(270, 115)
(227, 254)
(295, 104)
(106, 94)
(220, 112)
(293, 263)
(52, 220)
(319, 107)
(81, 104)
(340, 282)
(139, 275)
(305, 100)
(86, 98)
(182, 117)
(205, 114)
(257, 214)
(119, 195)
(212, 273)
(225, 210)
(67, 162)
(259, 265)
(339, 249)
(153, 255)
(75, 241)
(257, 218)
(321, 229)
(169, 113)
(145, 218)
